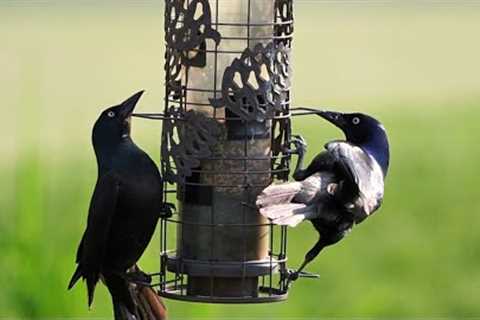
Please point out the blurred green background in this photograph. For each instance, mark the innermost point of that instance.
(414, 66)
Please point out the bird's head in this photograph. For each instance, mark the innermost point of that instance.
(358, 128)
(113, 124)
(364, 131)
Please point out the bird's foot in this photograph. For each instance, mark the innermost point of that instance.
(138, 277)
(293, 275)
(300, 145)
(167, 210)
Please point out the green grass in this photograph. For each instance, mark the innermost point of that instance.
(415, 68)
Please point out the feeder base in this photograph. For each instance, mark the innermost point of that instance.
(264, 296)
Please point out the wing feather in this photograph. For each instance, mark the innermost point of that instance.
(363, 175)
(94, 241)
(101, 212)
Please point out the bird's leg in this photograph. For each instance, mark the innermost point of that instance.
(137, 276)
(300, 150)
(312, 254)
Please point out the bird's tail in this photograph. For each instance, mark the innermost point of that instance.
(292, 202)
(75, 277)
(123, 305)
(121, 312)
(276, 194)
(289, 214)
(91, 279)
(275, 204)
(151, 304)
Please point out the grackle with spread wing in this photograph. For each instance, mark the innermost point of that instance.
(341, 186)
(124, 209)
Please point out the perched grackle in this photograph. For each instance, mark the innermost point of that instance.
(125, 207)
(341, 186)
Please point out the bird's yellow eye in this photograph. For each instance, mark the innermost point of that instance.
(111, 114)
(356, 120)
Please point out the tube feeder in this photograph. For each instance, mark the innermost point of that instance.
(225, 137)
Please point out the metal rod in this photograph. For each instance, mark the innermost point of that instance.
(296, 111)
(220, 225)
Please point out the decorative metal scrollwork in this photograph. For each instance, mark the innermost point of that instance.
(187, 138)
(281, 132)
(255, 85)
(188, 24)
(173, 72)
(284, 14)
(281, 75)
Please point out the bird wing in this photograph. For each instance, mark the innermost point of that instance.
(94, 242)
(362, 174)
(102, 209)
(323, 162)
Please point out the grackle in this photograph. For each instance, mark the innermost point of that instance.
(125, 207)
(341, 186)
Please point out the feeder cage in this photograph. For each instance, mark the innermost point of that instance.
(225, 135)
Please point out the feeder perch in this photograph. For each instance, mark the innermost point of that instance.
(225, 137)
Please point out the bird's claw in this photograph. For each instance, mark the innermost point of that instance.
(138, 277)
(300, 145)
(167, 210)
(293, 275)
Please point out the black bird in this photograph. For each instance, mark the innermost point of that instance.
(341, 186)
(125, 207)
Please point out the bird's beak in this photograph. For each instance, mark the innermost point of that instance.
(336, 118)
(128, 105)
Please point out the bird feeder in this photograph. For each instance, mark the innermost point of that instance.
(225, 137)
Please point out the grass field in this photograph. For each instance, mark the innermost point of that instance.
(415, 67)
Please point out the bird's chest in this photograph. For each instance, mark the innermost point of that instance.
(138, 192)
(140, 195)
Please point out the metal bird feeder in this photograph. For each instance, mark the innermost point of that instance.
(226, 134)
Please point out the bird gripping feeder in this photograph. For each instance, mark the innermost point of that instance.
(225, 137)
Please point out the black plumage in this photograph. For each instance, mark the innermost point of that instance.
(341, 186)
(125, 207)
